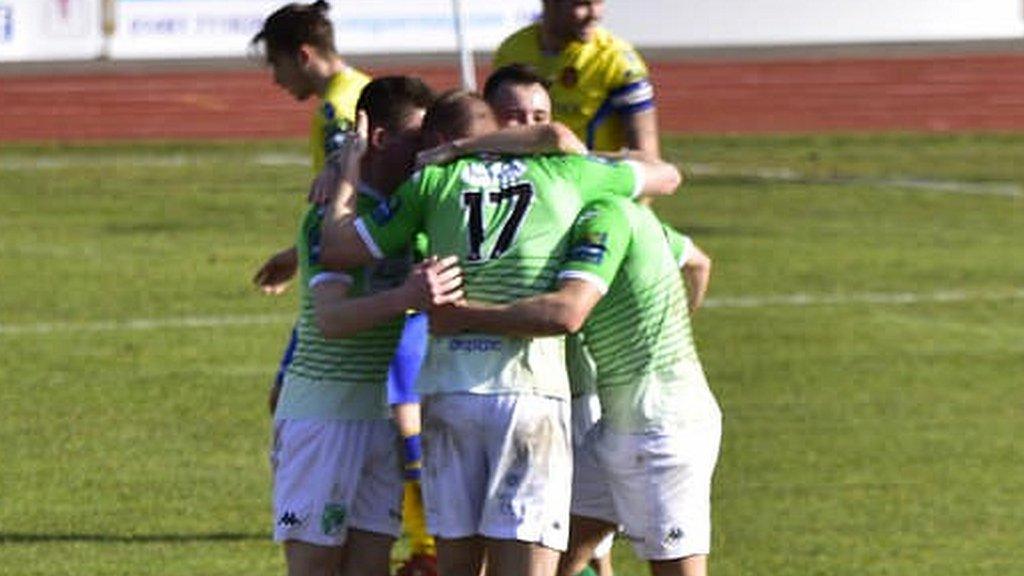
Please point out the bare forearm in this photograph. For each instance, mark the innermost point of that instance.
(340, 245)
(642, 134)
(346, 317)
(545, 315)
(697, 276)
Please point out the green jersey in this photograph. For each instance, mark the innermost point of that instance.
(343, 378)
(582, 373)
(648, 374)
(507, 219)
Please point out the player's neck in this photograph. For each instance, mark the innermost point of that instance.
(325, 71)
(374, 177)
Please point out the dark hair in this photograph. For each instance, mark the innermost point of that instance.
(296, 24)
(389, 100)
(452, 115)
(516, 74)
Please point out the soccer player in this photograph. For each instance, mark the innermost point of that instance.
(337, 478)
(496, 438)
(599, 84)
(647, 464)
(297, 42)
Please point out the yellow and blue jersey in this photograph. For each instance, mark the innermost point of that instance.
(335, 114)
(594, 84)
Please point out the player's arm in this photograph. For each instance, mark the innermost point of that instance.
(432, 283)
(275, 274)
(341, 247)
(563, 311)
(694, 264)
(550, 138)
(348, 240)
(596, 250)
(632, 99)
(642, 132)
(659, 178)
(697, 275)
(599, 178)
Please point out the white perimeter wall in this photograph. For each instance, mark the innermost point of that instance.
(72, 29)
(664, 23)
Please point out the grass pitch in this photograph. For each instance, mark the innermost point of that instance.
(864, 335)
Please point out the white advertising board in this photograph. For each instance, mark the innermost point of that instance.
(170, 29)
(223, 28)
(49, 30)
(707, 23)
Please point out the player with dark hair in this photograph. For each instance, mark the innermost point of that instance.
(600, 86)
(297, 42)
(518, 95)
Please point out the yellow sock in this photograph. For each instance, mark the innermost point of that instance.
(414, 521)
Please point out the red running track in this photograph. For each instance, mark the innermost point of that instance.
(925, 93)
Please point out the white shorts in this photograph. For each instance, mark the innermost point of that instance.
(498, 466)
(334, 475)
(657, 485)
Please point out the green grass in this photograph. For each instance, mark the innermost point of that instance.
(860, 438)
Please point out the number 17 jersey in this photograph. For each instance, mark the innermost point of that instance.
(507, 219)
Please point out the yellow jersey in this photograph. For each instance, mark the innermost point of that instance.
(335, 114)
(593, 84)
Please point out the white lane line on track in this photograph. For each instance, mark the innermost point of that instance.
(768, 301)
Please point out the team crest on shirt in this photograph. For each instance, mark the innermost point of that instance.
(589, 248)
(570, 77)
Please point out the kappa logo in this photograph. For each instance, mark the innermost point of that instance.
(289, 519)
(6, 23)
(675, 534)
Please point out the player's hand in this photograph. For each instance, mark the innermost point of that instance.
(343, 163)
(275, 274)
(446, 320)
(434, 282)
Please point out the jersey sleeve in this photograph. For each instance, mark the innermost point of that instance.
(630, 88)
(393, 224)
(679, 243)
(597, 244)
(599, 177)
